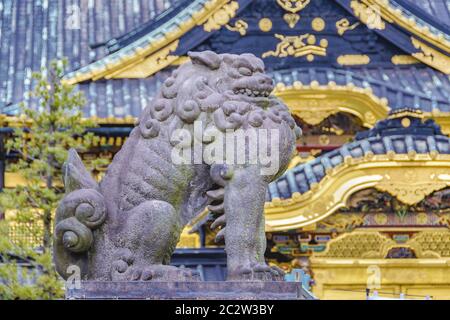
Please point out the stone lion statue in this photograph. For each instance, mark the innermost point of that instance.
(127, 226)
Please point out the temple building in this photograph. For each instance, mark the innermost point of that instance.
(365, 202)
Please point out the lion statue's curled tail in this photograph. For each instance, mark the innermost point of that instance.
(79, 213)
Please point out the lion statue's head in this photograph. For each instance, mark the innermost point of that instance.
(225, 90)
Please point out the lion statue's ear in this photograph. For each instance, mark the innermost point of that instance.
(207, 58)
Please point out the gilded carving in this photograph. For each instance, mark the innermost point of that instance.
(293, 6)
(369, 14)
(296, 47)
(431, 56)
(353, 59)
(239, 26)
(343, 222)
(396, 174)
(411, 186)
(433, 242)
(147, 67)
(370, 117)
(291, 19)
(265, 24)
(403, 59)
(343, 26)
(357, 244)
(221, 17)
(314, 112)
(375, 245)
(318, 24)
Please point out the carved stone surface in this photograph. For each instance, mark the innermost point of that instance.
(127, 226)
(229, 290)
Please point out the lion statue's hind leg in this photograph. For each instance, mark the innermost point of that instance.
(150, 235)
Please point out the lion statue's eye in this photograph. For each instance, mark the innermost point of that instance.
(245, 71)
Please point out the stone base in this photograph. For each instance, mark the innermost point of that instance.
(211, 290)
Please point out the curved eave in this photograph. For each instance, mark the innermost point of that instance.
(314, 102)
(384, 172)
(405, 30)
(156, 48)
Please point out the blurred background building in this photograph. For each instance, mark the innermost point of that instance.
(365, 202)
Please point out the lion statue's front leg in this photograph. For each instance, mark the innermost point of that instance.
(245, 238)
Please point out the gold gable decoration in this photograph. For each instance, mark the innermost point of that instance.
(314, 103)
(221, 17)
(375, 14)
(292, 7)
(411, 186)
(431, 56)
(214, 13)
(298, 46)
(369, 14)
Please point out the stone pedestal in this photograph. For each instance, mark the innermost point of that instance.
(210, 290)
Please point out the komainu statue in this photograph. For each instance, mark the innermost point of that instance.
(200, 143)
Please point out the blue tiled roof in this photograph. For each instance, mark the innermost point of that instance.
(34, 32)
(387, 137)
(434, 10)
(412, 86)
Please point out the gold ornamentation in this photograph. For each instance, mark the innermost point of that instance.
(381, 218)
(369, 14)
(356, 244)
(221, 17)
(344, 264)
(410, 180)
(343, 25)
(360, 244)
(318, 24)
(145, 68)
(403, 59)
(324, 140)
(291, 19)
(421, 218)
(342, 221)
(239, 26)
(293, 6)
(297, 160)
(314, 112)
(433, 243)
(395, 15)
(315, 103)
(265, 24)
(431, 56)
(406, 122)
(353, 59)
(294, 46)
(192, 16)
(370, 117)
(411, 186)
